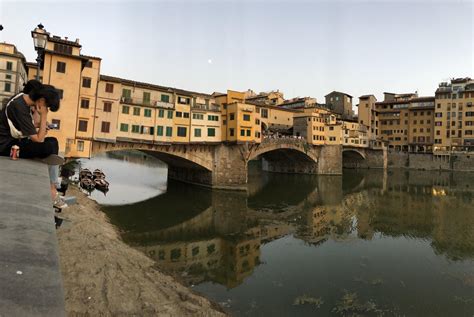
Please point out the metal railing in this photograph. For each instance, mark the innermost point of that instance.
(202, 106)
(146, 102)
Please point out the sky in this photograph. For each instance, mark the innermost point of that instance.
(302, 48)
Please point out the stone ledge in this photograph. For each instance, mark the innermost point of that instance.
(29, 264)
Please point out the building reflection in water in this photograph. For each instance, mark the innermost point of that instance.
(203, 235)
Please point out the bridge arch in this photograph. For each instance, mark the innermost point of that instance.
(286, 155)
(353, 158)
(284, 144)
(187, 163)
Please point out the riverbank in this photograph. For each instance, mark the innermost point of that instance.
(104, 276)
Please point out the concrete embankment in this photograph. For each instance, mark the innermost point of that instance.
(103, 276)
(30, 279)
(427, 161)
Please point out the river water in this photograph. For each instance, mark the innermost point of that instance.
(369, 243)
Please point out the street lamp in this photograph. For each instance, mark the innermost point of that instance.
(40, 38)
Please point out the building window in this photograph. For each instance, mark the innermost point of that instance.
(213, 118)
(170, 114)
(183, 101)
(136, 111)
(61, 67)
(264, 113)
(242, 132)
(135, 128)
(124, 127)
(146, 98)
(159, 130)
(109, 87)
(8, 87)
(161, 113)
(127, 94)
(89, 64)
(179, 114)
(8, 76)
(197, 133)
(62, 48)
(107, 107)
(169, 131)
(82, 125)
(9, 66)
(86, 82)
(231, 132)
(246, 117)
(105, 127)
(147, 113)
(57, 123)
(125, 109)
(185, 114)
(211, 132)
(80, 146)
(248, 132)
(182, 131)
(165, 98)
(231, 116)
(85, 103)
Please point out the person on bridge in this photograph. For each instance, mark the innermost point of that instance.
(23, 123)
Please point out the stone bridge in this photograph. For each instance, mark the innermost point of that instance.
(224, 165)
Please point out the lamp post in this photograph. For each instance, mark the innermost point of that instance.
(40, 38)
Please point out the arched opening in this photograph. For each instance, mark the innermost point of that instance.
(353, 159)
(182, 169)
(183, 164)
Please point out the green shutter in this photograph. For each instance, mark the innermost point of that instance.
(146, 98)
(124, 127)
(169, 131)
(161, 113)
(165, 98)
(170, 114)
(127, 93)
(159, 130)
(211, 132)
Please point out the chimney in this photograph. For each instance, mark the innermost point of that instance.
(77, 41)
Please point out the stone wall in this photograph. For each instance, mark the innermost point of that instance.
(397, 159)
(376, 158)
(462, 162)
(230, 168)
(330, 160)
(428, 161)
(294, 166)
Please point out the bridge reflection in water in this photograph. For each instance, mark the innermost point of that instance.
(204, 235)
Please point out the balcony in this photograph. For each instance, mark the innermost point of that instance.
(150, 103)
(202, 106)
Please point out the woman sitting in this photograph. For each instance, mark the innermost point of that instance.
(23, 123)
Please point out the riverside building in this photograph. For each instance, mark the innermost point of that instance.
(454, 115)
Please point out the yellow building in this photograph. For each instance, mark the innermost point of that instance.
(75, 76)
(223, 100)
(272, 98)
(454, 113)
(310, 124)
(243, 123)
(368, 115)
(13, 71)
(206, 120)
(406, 121)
